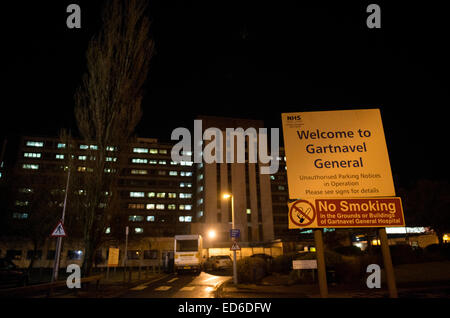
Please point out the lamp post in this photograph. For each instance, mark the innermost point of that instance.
(227, 196)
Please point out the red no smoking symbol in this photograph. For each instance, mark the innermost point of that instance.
(302, 213)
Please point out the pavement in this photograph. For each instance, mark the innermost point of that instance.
(278, 286)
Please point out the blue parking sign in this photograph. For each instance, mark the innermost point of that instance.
(235, 233)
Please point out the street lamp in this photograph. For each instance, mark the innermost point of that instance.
(227, 196)
(212, 234)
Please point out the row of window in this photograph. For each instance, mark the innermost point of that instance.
(159, 206)
(60, 145)
(162, 195)
(141, 194)
(151, 218)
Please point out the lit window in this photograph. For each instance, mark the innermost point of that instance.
(137, 194)
(185, 206)
(173, 163)
(161, 195)
(138, 160)
(61, 145)
(162, 162)
(151, 194)
(26, 190)
(249, 211)
(93, 147)
(160, 207)
(150, 218)
(30, 166)
(171, 195)
(108, 230)
(163, 151)
(140, 150)
(20, 216)
(280, 187)
(21, 203)
(35, 144)
(81, 169)
(32, 155)
(138, 230)
(59, 156)
(186, 163)
(150, 206)
(114, 159)
(136, 205)
(186, 173)
(184, 184)
(173, 173)
(136, 218)
(153, 151)
(136, 171)
(200, 201)
(185, 195)
(185, 218)
(153, 162)
(82, 157)
(171, 206)
(84, 147)
(111, 148)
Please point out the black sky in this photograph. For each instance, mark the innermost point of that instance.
(252, 59)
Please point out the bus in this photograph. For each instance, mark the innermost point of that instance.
(188, 250)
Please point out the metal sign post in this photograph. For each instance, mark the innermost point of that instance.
(59, 239)
(390, 277)
(321, 270)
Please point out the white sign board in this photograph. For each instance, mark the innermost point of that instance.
(333, 154)
(304, 264)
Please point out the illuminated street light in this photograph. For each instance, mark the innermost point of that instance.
(212, 234)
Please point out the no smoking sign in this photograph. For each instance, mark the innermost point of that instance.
(302, 213)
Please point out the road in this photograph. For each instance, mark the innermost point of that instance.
(178, 286)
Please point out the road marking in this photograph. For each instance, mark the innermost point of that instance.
(172, 280)
(187, 288)
(163, 288)
(139, 287)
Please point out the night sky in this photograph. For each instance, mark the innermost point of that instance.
(253, 59)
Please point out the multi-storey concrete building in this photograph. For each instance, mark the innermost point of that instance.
(156, 194)
(250, 190)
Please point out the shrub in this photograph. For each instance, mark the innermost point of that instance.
(403, 254)
(251, 270)
(436, 252)
(283, 263)
(348, 250)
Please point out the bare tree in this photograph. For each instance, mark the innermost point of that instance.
(108, 107)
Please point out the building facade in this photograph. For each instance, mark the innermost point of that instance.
(250, 189)
(156, 194)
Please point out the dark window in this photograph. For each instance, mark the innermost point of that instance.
(37, 254)
(151, 254)
(187, 245)
(14, 254)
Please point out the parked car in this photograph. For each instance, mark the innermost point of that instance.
(218, 262)
(11, 275)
